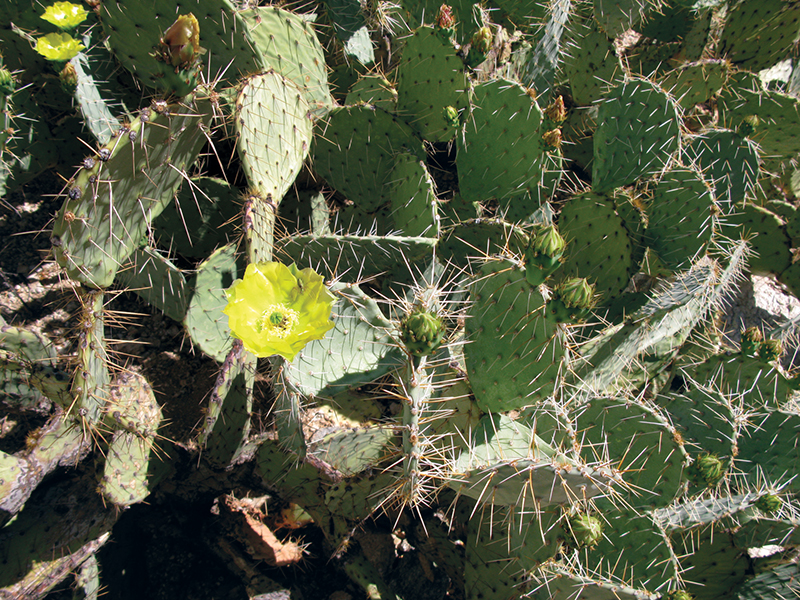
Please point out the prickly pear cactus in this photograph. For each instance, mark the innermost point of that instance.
(457, 312)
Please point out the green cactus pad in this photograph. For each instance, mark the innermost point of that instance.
(561, 582)
(354, 256)
(777, 119)
(41, 546)
(478, 239)
(656, 331)
(506, 464)
(767, 531)
(780, 580)
(766, 233)
(649, 456)
(92, 379)
(153, 277)
(598, 247)
(702, 511)
(204, 321)
(95, 110)
(777, 430)
(354, 151)
(669, 23)
(617, 17)
(289, 44)
(135, 29)
(288, 413)
(350, 451)
(273, 133)
(635, 549)
(682, 217)
(110, 202)
(705, 420)
(717, 566)
(504, 123)
(790, 277)
(355, 352)
(728, 161)
(227, 423)
(431, 78)
(125, 480)
(375, 90)
(201, 219)
(132, 406)
(591, 64)
(489, 570)
(359, 497)
(414, 205)
(772, 22)
(514, 353)
(638, 131)
(350, 25)
(745, 381)
(695, 82)
(59, 443)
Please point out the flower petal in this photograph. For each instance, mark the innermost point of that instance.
(269, 285)
(65, 15)
(58, 46)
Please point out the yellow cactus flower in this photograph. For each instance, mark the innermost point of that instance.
(65, 15)
(58, 46)
(275, 309)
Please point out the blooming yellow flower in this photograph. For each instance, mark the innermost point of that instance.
(275, 309)
(58, 46)
(65, 15)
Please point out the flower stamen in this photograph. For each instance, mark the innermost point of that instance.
(278, 320)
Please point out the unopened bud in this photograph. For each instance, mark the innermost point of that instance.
(422, 332)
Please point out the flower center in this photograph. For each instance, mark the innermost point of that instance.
(277, 320)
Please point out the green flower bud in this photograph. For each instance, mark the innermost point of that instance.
(748, 126)
(543, 255)
(587, 531)
(7, 83)
(751, 341)
(422, 332)
(181, 43)
(69, 78)
(573, 300)
(770, 350)
(769, 503)
(482, 40)
(450, 114)
(556, 111)
(552, 138)
(679, 595)
(707, 470)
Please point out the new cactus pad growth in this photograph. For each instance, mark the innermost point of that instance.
(517, 382)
